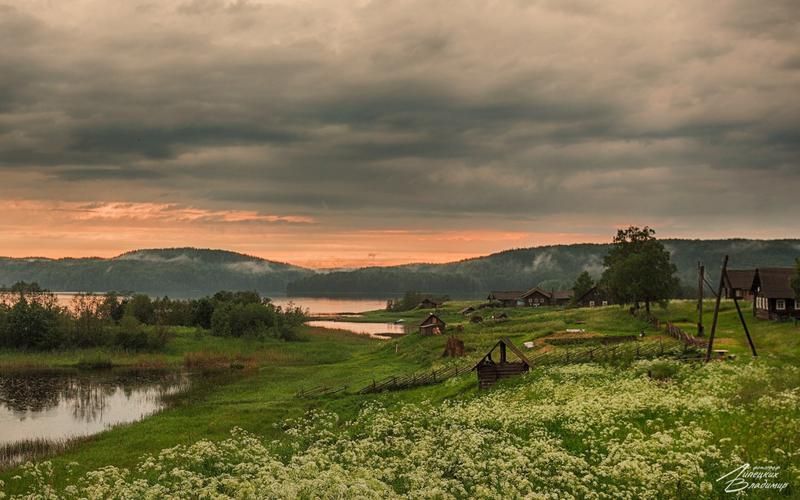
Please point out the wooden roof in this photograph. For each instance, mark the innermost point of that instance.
(741, 278)
(510, 345)
(587, 293)
(563, 294)
(427, 321)
(505, 295)
(538, 290)
(776, 282)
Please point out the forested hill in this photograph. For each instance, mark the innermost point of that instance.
(180, 272)
(551, 267)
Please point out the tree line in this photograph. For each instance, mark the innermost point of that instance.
(32, 318)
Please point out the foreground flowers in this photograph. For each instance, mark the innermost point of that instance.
(581, 431)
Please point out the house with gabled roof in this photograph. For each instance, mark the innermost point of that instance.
(432, 325)
(505, 298)
(774, 297)
(741, 284)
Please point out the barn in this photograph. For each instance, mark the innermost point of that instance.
(432, 325)
(490, 370)
(774, 297)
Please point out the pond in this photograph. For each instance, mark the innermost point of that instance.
(377, 330)
(64, 404)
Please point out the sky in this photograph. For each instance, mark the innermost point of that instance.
(347, 133)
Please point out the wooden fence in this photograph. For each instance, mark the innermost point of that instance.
(320, 390)
(394, 383)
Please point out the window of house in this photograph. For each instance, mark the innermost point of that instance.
(605, 302)
(591, 303)
(780, 305)
(797, 304)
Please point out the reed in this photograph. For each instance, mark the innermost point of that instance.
(19, 452)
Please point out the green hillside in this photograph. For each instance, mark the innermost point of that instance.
(172, 271)
(551, 267)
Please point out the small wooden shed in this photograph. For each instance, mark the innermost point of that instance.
(428, 303)
(490, 371)
(432, 325)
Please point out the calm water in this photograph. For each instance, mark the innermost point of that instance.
(64, 404)
(378, 330)
(323, 306)
(316, 305)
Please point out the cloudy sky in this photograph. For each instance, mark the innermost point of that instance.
(330, 133)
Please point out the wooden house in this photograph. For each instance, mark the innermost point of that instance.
(467, 310)
(432, 325)
(774, 297)
(741, 284)
(561, 297)
(594, 297)
(490, 370)
(536, 297)
(428, 303)
(506, 299)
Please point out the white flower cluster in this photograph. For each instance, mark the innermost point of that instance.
(581, 431)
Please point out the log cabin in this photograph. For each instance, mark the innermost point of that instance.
(432, 325)
(490, 371)
(428, 303)
(774, 297)
(594, 297)
(741, 284)
(561, 297)
(536, 297)
(506, 298)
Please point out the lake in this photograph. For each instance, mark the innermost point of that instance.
(319, 306)
(377, 330)
(62, 404)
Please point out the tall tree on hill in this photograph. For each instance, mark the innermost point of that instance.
(638, 268)
(582, 285)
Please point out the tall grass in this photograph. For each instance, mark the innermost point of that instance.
(18, 452)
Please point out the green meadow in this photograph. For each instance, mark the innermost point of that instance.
(627, 431)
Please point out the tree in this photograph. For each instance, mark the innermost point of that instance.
(582, 285)
(638, 268)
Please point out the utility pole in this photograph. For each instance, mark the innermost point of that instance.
(700, 278)
(716, 309)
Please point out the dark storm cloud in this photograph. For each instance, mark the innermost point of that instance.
(400, 108)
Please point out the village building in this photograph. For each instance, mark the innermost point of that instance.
(490, 370)
(432, 325)
(428, 303)
(741, 284)
(561, 297)
(467, 310)
(774, 297)
(507, 298)
(594, 297)
(536, 297)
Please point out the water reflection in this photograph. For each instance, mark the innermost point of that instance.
(378, 330)
(63, 404)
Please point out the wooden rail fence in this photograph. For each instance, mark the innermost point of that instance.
(394, 383)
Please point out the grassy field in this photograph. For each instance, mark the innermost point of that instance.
(734, 409)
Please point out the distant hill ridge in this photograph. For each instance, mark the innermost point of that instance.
(194, 271)
(163, 271)
(550, 267)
